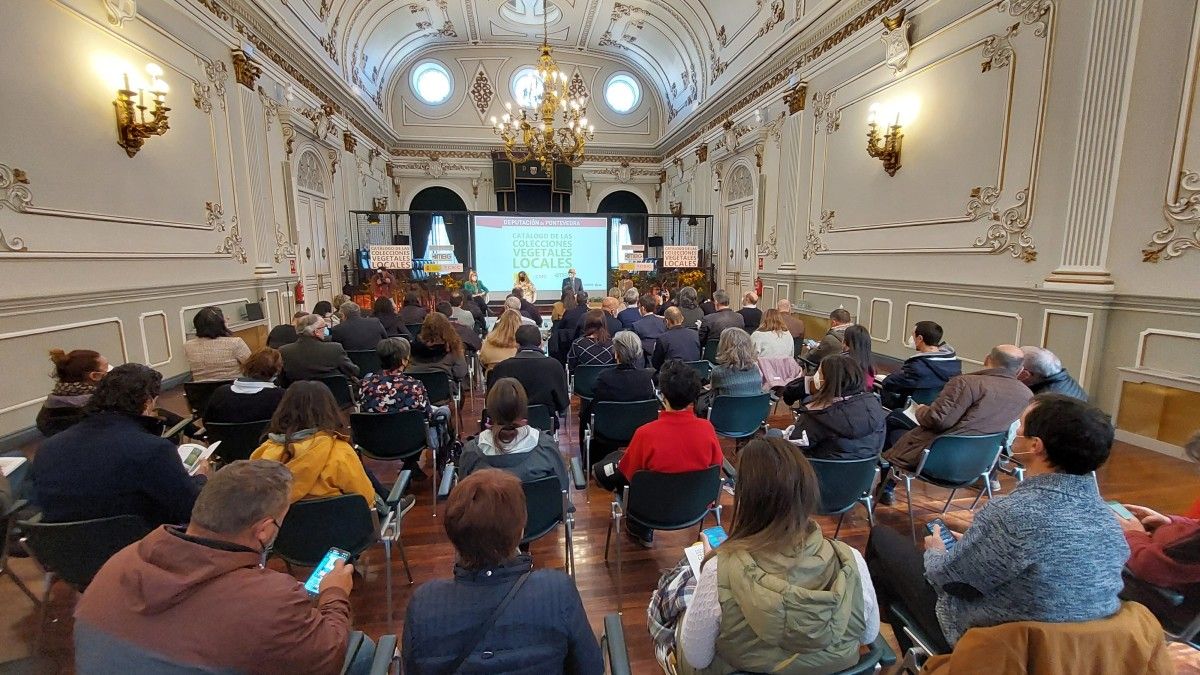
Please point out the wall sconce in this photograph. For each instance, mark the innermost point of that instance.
(887, 147)
(134, 126)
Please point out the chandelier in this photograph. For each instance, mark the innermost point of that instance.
(531, 132)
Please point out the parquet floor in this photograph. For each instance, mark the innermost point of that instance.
(1132, 475)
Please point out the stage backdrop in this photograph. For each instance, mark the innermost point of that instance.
(545, 247)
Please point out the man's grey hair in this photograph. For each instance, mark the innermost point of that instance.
(242, 494)
(512, 302)
(307, 325)
(735, 351)
(784, 306)
(630, 296)
(1041, 362)
(628, 347)
(720, 297)
(350, 310)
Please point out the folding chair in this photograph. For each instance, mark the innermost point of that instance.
(664, 501)
(953, 462)
(442, 390)
(710, 350)
(583, 380)
(6, 522)
(339, 386)
(845, 483)
(612, 644)
(367, 360)
(1167, 605)
(385, 653)
(619, 420)
(199, 393)
(547, 505)
(238, 439)
(702, 368)
(541, 418)
(739, 417)
(393, 437)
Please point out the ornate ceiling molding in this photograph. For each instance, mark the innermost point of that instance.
(215, 73)
(120, 11)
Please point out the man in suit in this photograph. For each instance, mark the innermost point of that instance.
(412, 312)
(650, 327)
(544, 379)
(712, 324)
(572, 283)
(465, 332)
(356, 332)
(678, 342)
(310, 356)
(751, 314)
(527, 309)
(630, 314)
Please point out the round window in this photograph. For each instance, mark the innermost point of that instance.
(527, 87)
(431, 82)
(622, 93)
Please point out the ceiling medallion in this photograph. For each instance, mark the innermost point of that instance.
(529, 131)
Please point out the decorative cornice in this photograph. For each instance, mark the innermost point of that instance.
(245, 70)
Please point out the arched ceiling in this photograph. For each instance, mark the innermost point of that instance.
(687, 50)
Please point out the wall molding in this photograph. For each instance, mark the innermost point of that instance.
(84, 300)
(1081, 376)
(58, 328)
(183, 324)
(146, 342)
(857, 299)
(887, 323)
(970, 310)
(1138, 361)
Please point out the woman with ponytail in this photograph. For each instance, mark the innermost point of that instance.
(75, 373)
(510, 443)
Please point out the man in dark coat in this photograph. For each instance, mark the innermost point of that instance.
(544, 378)
(713, 324)
(311, 357)
(1044, 374)
(356, 332)
(678, 342)
(751, 314)
(930, 368)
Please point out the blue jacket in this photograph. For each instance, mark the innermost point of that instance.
(628, 317)
(676, 343)
(543, 631)
(113, 464)
(924, 370)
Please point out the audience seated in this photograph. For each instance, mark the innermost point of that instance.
(777, 591)
(214, 354)
(986, 401)
(510, 443)
(751, 314)
(650, 326)
(627, 382)
(708, 306)
(385, 310)
(501, 342)
(690, 307)
(451, 625)
(542, 377)
(438, 349)
(770, 338)
(1043, 373)
(253, 396)
(458, 313)
(515, 304)
(527, 308)
(595, 347)
(831, 343)
(324, 309)
(76, 374)
(573, 316)
(307, 435)
(311, 357)
(714, 323)
(677, 442)
(677, 342)
(357, 333)
(391, 391)
(930, 368)
(856, 343)
(466, 332)
(736, 372)
(840, 421)
(114, 462)
(610, 306)
(630, 313)
(200, 600)
(1049, 551)
(412, 313)
(565, 302)
(284, 333)
(795, 324)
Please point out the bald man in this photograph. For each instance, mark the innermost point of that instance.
(794, 325)
(986, 401)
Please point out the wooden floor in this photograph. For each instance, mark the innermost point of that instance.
(1132, 475)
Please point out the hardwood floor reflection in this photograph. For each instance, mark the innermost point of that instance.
(1132, 475)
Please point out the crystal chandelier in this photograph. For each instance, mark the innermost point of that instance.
(531, 133)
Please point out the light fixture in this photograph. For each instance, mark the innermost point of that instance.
(372, 218)
(529, 131)
(134, 125)
(887, 147)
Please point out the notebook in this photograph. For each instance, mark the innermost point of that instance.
(10, 464)
(192, 454)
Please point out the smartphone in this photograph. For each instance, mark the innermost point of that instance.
(1120, 510)
(313, 585)
(715, 536)
(947, 538)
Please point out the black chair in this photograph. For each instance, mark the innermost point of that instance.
(6, 522)
(339, 386)
(664, 501)
(618, 420)
(441, 390)
(392, 437)
(199, 393)
(414, 329)
(583, 380)
(547, 505)
(74, 552)
(710, 350)
(385, 653)
(844, 483)
(953, 462)
(541, 418)
(367, 360)
(702, 368)
(238, 439)
(1180, 622)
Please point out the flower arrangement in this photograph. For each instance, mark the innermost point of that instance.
(451, 282)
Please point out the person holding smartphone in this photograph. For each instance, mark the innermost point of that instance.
(200, 598)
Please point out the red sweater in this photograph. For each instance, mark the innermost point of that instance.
(677, 442)
(1166, 557)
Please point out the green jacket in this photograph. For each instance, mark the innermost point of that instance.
(798, 612)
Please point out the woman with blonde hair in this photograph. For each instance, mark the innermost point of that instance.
(772, 339)
(736, 372)
(528, 290)
(777, 591)
(501, 342)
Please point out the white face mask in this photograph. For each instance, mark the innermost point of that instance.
(818, 382)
